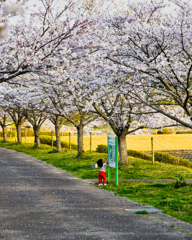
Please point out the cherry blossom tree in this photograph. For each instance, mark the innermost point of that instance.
(152, 49)
(117, 111)
(63, 99)
(14, 108)
(111, 101)
(110, 87)
(36, 118)
(21, 101)
(18, 118)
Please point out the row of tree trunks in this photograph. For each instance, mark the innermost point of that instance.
(121, 139)
(19, 135)
(58, 122)
(18, 129)
(36, 129)
(18, 118)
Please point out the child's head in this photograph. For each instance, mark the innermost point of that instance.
(100, 162)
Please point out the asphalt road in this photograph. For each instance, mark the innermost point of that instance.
(38, 201)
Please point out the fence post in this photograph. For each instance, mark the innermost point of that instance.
(69, 141)
(90, 142)
(152, 150)
(52, 138)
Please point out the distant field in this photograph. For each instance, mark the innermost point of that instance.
(137, 142)
(161, 142)
(143, 142)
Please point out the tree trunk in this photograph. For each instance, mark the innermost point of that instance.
(80, 140)
(4, 133)
(57, 133)
(123, 150)
(37, 138)
(19, 136)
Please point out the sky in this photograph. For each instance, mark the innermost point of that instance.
(33, 5)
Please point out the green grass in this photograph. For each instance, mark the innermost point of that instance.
(174, 198)
(173, 201)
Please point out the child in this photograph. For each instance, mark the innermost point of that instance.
(102, 171)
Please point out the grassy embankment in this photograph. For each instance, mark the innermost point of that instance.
(174, 198)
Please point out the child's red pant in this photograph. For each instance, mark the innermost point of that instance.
(102, 176)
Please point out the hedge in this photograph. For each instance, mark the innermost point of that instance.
(168, 158)
(138, 154)
(30, 133)
(64, 144)
(159, 156)
(184, 132)
(166, 131)
(102, 148)
(9, 134)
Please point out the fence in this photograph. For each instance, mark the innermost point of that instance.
(161, 146)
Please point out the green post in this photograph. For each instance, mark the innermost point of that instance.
(109, 175)
(116, 166)
(109, 169)
(90, 142)
(69, 141)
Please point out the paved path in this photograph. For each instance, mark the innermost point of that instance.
(38, 201)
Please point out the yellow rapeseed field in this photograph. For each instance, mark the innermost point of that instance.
(137, 142)
(142, 142)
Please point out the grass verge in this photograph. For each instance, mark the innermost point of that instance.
(176, 202)
(174, 198)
